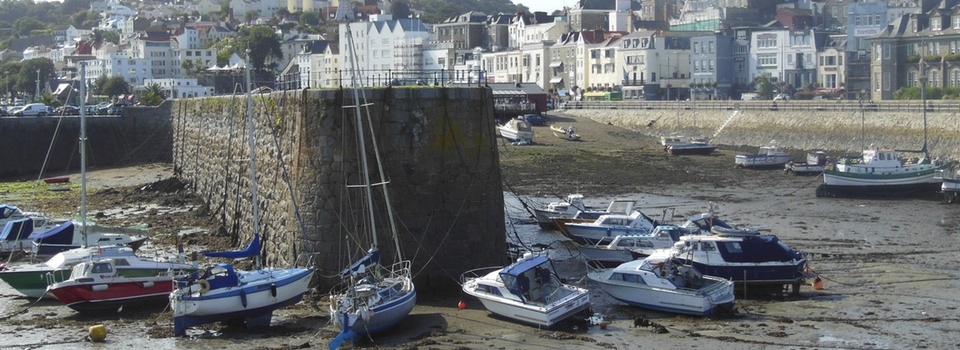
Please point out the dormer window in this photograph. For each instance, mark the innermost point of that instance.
(935, 24)
(956, 22)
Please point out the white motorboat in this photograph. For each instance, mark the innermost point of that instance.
(814, 164)
(950, 186)
(665, 285)
(516, 130)
(625, 248)
(766, 157)
(607, 226)
(526, 291)
(574, 207)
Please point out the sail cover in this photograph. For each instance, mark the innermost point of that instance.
(62, 234)
(252, 250)
(372, 258)
(17, 230)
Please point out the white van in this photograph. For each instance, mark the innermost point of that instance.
(747, 96)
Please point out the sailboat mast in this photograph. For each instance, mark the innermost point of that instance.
(83, 152)
(251, 145)
(923, 97)
(354, 83)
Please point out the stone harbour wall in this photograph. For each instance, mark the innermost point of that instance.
(438, 146)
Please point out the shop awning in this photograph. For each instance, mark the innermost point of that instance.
(556, 80)
(555, 64)
(508, 93)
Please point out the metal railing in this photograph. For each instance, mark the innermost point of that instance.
(788, 105)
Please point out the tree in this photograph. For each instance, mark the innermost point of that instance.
(153, 96)
(116, 86)
(27, 75)
(400, 9)
(25, 26)
(309, 19)
(265, 51)
(764, 88)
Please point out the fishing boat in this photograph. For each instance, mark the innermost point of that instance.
(224, 293)
(665, 285)
(108, 284)
(526, 291)
(882, 172)
(517, 131)
(565, 132)
(32, 280)
(766, 157)
(374, 296)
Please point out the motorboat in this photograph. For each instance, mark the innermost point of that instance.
(574, 207)
(694, 146)
(950, 186)
(766, 157)
(527, 291)
(565, 132)
(517, 131)
(17, 233)
(665, 285)
(112, 283)
(70, 235)
(743, 256)
(607, 226)
(813, 165)
(32, 280)
(625, 248)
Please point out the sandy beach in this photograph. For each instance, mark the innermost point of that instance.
(890, 266)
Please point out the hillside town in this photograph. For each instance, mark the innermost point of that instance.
(590, 50)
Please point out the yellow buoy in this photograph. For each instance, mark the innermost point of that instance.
(98, 333)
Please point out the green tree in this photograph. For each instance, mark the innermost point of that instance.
(764, 88)
(27, 75)
(25, 26)
(98, 84)
(8, 78)
(153, 96)
(116, 86)
(265, 51)
(309, 19)
(400, 9)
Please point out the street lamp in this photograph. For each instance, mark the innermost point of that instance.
(36, 96)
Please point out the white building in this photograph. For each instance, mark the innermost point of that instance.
(386, 48)
(181, 88)
(319, 64)
(263, 8)
(119, 64)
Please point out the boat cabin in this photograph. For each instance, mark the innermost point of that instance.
(881, 158)
(530, 279)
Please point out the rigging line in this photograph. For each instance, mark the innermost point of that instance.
(46, 158)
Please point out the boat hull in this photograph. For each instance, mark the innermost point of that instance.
(537, 314)
(706, 301)
(254, 301)
(94, 297)
(680, 150)
(33, 283)
(381, 318)
(599, 235)
(836, 183)
(606, 257)
(761, 161)
(754, 273)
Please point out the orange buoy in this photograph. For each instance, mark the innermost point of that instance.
(462, 305)
(818, 283)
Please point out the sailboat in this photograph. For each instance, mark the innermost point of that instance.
(223, 293)
(881, 172)
(67, 247)
(375, 297)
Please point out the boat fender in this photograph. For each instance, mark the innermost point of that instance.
(204, 286)
(273, 290)
(99, 287)
(147, 284)
(243, 298)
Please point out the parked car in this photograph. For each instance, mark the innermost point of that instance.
(67, 110)
(535, 119)
(782, 97)
(111, 109)
(33, 109)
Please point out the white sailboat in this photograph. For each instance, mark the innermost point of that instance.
(376, 296)
(223, 293)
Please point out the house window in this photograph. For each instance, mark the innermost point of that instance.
(912, 79)
(767, 59)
